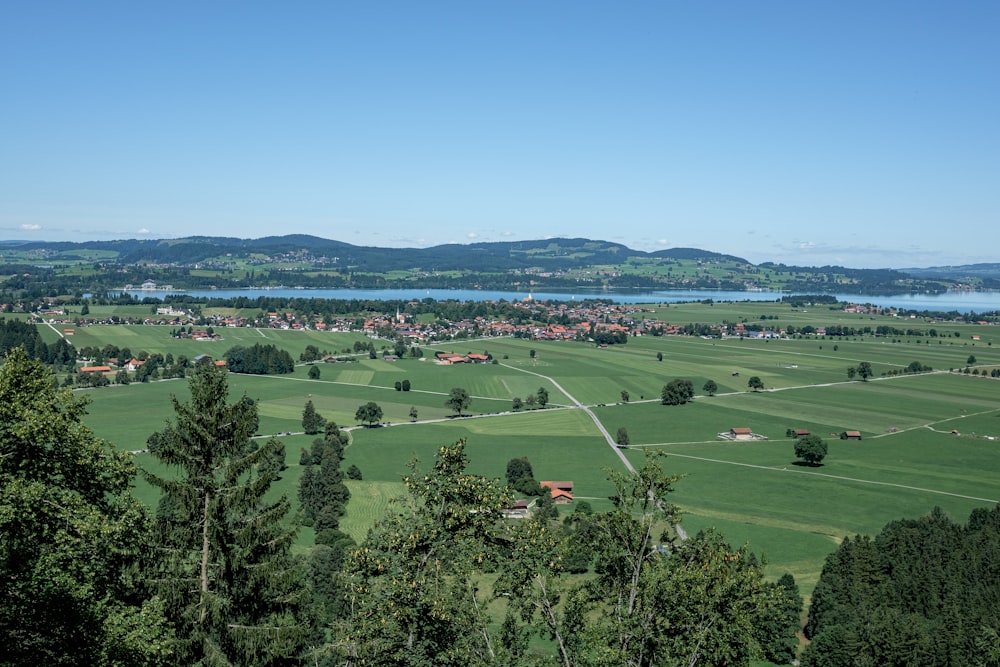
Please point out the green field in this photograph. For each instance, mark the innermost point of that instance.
(908, 461)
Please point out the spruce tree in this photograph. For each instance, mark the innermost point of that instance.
(312, 422)
(230, 586)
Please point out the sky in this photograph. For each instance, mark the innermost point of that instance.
(863, 134)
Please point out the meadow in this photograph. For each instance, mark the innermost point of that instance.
(928, 439)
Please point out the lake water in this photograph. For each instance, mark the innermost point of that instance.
(961, 301)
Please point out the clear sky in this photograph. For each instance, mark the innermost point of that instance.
(858, 133)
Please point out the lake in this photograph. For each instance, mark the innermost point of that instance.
(961, 301)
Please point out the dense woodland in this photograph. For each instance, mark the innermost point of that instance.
(922, 592)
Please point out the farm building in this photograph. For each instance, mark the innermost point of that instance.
(561, 492)
(850, 435)
(519, 509)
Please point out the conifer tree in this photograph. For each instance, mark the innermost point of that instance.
(228, 580)
(312, 422)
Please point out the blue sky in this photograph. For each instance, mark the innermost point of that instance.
(855, 133)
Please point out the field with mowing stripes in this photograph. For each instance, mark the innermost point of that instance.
(927, 440)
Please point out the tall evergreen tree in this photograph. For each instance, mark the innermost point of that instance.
(70, 534)
(230, 585)
(312, 421)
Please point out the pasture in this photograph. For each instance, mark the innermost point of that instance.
(908, 461)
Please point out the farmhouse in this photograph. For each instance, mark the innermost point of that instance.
(850, 435)
(800, 432)
(561, 492)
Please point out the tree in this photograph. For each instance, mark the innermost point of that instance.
(777, 630)
(458, 400)
(542, 396)
(696, 602)
(710, 387)
(314, 372)
(70, 534)
(370, 413)
(516, 404)
(226, 572)
(413, 413)
(405, 385)
(413, 594)
(312, 421)
(677, 392)
(621, 438)
(755, 383)
(659, 356)
(851, 372)
(811, 449)
(625, 396)
(971, 360)
(864, 371)
(519, 468)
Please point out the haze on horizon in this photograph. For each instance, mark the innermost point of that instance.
(857, 134)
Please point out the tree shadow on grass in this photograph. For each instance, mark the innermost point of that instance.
(807, 464)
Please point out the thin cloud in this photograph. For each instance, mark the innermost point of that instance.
(30, 227)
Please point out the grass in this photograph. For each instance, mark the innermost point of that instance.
(908, 462)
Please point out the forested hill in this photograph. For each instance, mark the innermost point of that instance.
(560, 263)
(552, 254)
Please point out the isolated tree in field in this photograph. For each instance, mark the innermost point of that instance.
(542, 396)
(621, 437)
(532, 354)
(865, 371)
(314, 372)
(811, 449)
(659, 356)
(625, 396)
(312, 421)
(226, 574)
(852, 371)
(370, 413)
(413, 413)
(458, 400)
(710, 387)
(677, 392)
(971, 360)
(755, 383)
(70, 534)
(516, 403)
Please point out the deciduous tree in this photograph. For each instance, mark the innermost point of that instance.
(811, 449)
(70, 534)
(458, 400)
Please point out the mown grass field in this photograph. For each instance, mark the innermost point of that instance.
(907, 462)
